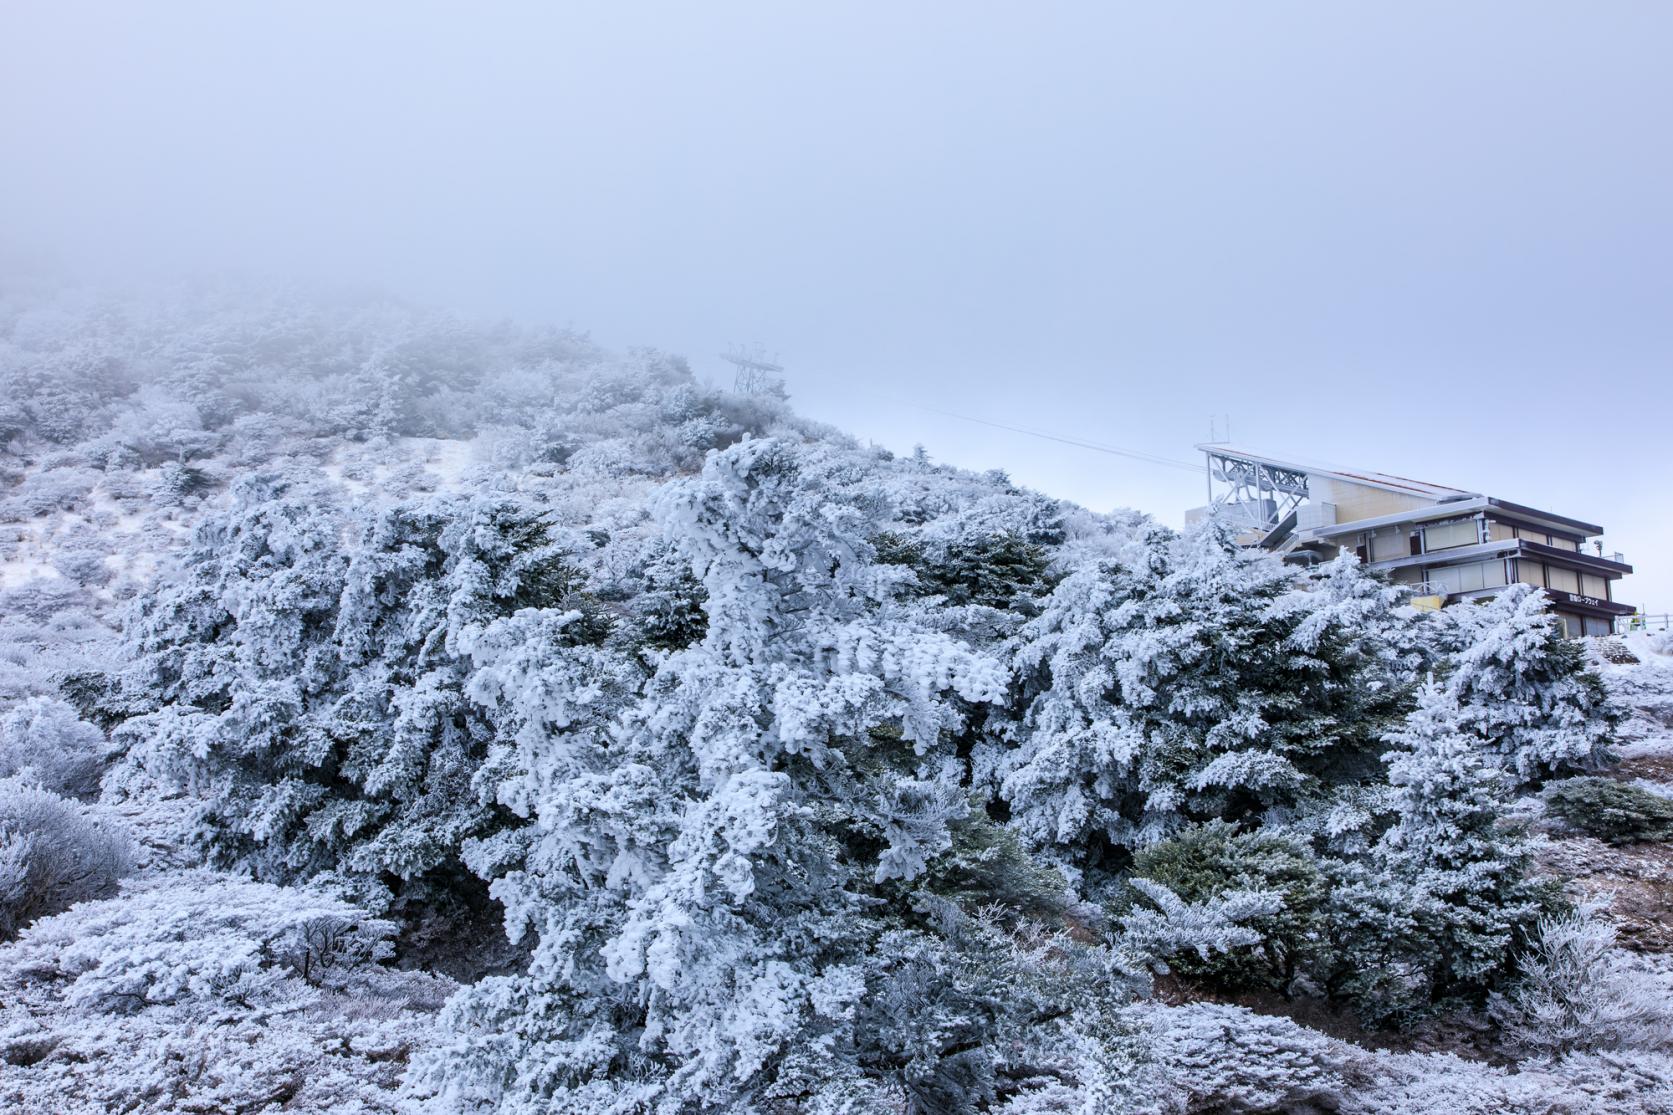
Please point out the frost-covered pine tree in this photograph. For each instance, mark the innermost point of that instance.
(1525, 687)
(305, 681)
(1187, 679)
(739, 886)
(1433, 914)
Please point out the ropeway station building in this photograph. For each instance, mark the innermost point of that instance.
(1446, 543)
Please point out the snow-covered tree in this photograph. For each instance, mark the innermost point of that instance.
(1526, 688)
(730, 884)
(1188, 679)
(1433, 914)
(305, 682)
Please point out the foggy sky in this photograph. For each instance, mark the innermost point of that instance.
(1431, 239)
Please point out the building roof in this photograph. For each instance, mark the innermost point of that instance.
(1458, 507)
(1386, 481)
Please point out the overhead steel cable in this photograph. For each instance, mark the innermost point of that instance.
(1080, 443)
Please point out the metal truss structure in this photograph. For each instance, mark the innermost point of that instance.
(756, 374)
(1254, 494)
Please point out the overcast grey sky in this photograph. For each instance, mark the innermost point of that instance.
(1432, 239)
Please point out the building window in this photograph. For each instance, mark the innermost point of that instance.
(1594, 586)
(1446, 536)
(1471, 577)
(1572, 625)
(1562, 543)
(1565, 580)
(1530, 572)
(1388, 544)
(1500, 532)
(1532, 535)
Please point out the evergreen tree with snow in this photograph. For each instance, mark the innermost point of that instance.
(1432, 914)
(1187, 679)
(304, 683)
(1526, 688)
(749, 891)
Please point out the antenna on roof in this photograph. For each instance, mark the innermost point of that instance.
(1214, 435)
(756, 374)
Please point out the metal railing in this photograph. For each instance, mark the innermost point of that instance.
(1626, 625)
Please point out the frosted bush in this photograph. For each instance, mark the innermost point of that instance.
(1579, 1084)
(43, 738)
(198, 937)
(53, 854)
(1576, 991)
(1169, 926)
(201, 992)
(1222, 1058)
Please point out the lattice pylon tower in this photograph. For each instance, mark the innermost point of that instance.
(756, 374)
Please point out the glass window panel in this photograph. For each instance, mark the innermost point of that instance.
(1389, 544)
(1596, 627)
(1594, 586)
(1410, 575)
(1445, 579)
(1445, 536)
(1562, 543)
(1530, 572)
(1500, 532)
(1533, 535)
(1493, 573)
(1559, 578)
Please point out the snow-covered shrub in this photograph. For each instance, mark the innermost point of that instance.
(44, 740)
(53, 854)
(49, 636)
(1525, 688)
(1165, 926)
(195, 939)
(1613, 811)
(45, 492)
(201, 992)
(156, 427)
(1221, 1058)
(949, 1020)
(1575, 990)
(1205, 862)
(1578, 1084)
(84, 565)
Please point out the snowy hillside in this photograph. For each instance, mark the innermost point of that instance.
(402, 714)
